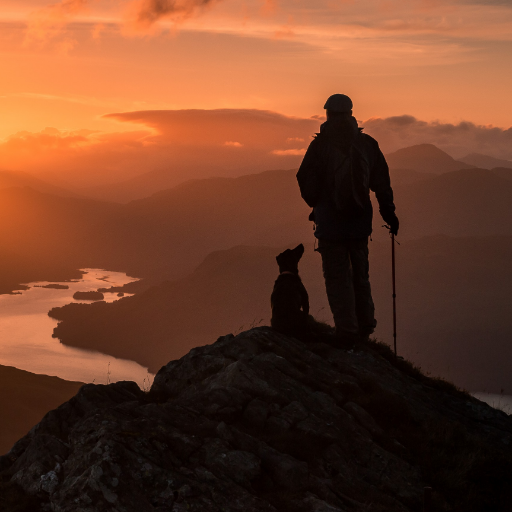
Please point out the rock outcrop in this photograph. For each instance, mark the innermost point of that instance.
(263, 422)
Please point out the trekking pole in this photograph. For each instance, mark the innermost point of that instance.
(393, 241)
(394, 288)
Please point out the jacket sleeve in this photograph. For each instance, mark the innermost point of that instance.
(380, 183)
(309, 175)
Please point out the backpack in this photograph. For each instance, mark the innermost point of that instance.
(349, 179)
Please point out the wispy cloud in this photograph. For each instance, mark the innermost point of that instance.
(150, 11)
(50, 22)
(391, 28)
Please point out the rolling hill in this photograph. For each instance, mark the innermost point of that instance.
(166, 235)
(459, 203)
(25, 398)
(10, 179)
(407, 166)
(485, 161)
(454, 312)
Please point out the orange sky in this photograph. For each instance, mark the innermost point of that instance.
(67, 64)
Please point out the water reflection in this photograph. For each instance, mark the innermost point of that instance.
(501, 402)
(26, 333)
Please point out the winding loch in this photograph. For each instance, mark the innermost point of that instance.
(26, 333)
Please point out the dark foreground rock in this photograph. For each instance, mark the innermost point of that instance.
(262, 422)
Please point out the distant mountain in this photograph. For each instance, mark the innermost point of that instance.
(424, 158)
(149, 183)
(25, 398)
(9, 179)
(453, 307)
(153, 182)
(166, 235)
(19, 267)
(460, 203)
(401, 177)
(52, 229)
(503, 172)
(485, 161)
(175, 229)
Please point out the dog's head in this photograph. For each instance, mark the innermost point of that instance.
(288, 260)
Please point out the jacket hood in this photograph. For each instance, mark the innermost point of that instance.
(340, 131)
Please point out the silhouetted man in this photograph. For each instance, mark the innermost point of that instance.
(339, 169)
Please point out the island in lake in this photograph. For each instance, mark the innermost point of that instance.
(89, 295)
(54, 286)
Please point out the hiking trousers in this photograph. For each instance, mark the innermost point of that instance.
(347, 283)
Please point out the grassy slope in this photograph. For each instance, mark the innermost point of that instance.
(25, 398)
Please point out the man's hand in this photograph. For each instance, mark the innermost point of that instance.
(392, 221)
(393, 225)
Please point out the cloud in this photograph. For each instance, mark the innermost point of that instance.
(83, 157)
(457, 139)
(49, 23)
(48, 139)
(288, 152)
(151, 11)
(256, 129)
(224, 142)
(190, 143)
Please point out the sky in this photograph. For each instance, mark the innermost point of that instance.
(82, 76)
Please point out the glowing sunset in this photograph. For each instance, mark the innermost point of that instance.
(255, 255)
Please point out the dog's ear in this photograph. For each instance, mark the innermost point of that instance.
(298, 252)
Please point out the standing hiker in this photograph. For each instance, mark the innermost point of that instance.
(339, 169)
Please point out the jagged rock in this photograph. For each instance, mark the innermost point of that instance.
(263, 422)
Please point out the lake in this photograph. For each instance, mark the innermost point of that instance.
(26, 333)
(26, 337)
(502, 402)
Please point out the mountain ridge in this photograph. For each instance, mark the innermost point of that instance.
(452, 293)
(485, 161)
(424, 158)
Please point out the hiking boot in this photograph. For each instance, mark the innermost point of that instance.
(346, 340)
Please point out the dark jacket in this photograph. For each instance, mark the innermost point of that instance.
(335, 139)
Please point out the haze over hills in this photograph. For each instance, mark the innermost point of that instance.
(149, 183)
(407, 165)
(424, 158)
(18, 268)
(57, 229)
(459, 203)
(25, 398)
(166, 235)
(503, 172)
(453, 307)
(485, 161)
(11, 179)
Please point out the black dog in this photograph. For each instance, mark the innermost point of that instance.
(289, 299)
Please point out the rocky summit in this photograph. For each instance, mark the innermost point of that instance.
(263, 422)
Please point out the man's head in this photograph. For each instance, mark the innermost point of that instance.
(338, 105)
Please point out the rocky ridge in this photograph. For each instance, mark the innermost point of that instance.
(263, 422)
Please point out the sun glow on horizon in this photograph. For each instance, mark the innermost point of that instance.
(70, 64)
